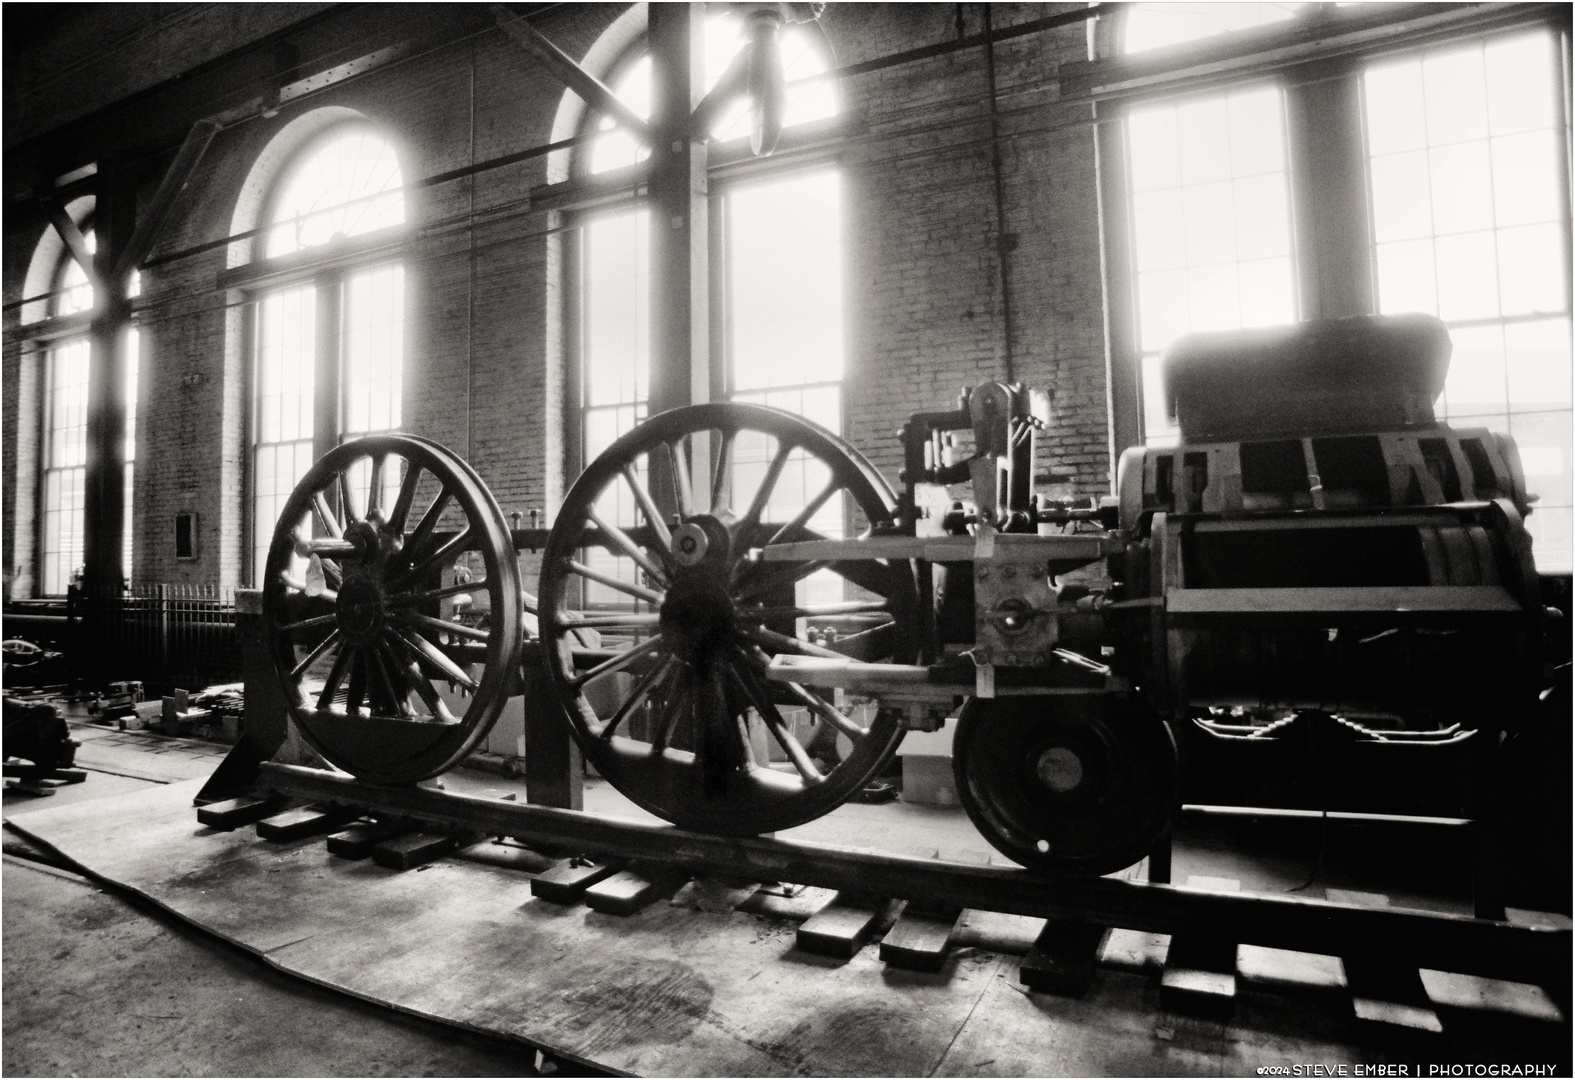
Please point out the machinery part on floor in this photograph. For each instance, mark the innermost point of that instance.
(370, 603)
(657, 549)
(36, 732)
(1075, 784)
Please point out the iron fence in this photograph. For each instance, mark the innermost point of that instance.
(164, 634)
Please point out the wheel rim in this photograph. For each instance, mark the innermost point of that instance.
(363, 642)
(675, 732)
(1075, 785)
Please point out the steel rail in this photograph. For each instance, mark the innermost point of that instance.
(1456, 943)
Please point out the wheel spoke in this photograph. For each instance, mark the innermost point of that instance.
(629, 587)
(436, 657)
(632, 621)
(627, 545)
(768, 484)
(307, 624)
(783, 643)
(402, 600)
(428, 522)
(641, 690)
(325, 515)
(374, 491)
(683, 491)
(652, 515)
(424, 689)
(448, 548)
(724, 455)
(619, 662)
(673, 706)
(812, 611)
(776, 581)
(811, 508)
(316, 654)
(826, 711)
(336, 675)
(357, 691)
(413, 618)
(384, 683)
(407, 496)
(347, 498)
(778, 726)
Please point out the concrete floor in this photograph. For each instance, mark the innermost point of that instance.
(98, 983)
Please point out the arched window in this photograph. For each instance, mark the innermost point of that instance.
(779, 281)
(63, 459)
(331, 339)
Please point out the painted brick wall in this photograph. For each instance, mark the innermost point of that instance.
(485, 366)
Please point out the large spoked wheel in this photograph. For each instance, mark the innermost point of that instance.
(658, 549)
(365, 608)
(1074, 785)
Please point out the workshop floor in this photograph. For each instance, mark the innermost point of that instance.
(99, 983)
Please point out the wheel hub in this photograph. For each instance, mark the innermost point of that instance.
(697, 617)
(360, 610)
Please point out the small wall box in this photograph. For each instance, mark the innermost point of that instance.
(186, 536)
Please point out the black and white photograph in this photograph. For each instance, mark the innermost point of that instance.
(787, 539)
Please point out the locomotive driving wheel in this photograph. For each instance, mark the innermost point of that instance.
(1075, 785)
(363, 625)
(658, 550)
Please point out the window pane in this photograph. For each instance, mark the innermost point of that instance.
(617, 301)
(349, 185)
(1211, 219)
(1491, 260)
(785, 241)
(374, 350)
(286, 377)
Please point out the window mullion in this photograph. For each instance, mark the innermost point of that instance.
(328, 372)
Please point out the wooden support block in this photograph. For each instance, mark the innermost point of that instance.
(1063, 957)
(566, 883)
(358, 840)
(920, 939)
(233, 813)
(509, 856)
(842, 927)
(309, 820)
(1389, 992)
(1500, 997)
(641, 885)
(419, 848)
(1199, 976)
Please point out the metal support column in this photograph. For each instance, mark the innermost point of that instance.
(680, 356)
(1324, 120)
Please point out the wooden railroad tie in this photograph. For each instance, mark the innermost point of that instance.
(359, 839)
(920, 940)
(1063, 957)
(638, 886)
(310, 820)
(846, 924)
(566, 883)
(233, 813)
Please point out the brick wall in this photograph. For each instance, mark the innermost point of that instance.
(485, 363)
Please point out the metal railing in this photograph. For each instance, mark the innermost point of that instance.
(164, 634)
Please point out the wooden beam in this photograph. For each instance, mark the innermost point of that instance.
(597, 94)
(175, 180)
(76, 243)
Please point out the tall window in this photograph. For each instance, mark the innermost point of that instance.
(338, 329)
(1467, 202)
(64, 457)
(782, 293)
(1211, 217)
(1468, 224)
